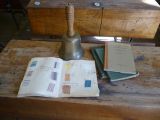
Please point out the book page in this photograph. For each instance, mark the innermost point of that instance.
(79, 79)
(119, 57)
(42, 77)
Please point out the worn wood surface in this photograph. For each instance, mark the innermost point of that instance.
(138, 23)
(133, 99)
(125, 18)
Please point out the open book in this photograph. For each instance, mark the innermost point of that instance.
(53, 77)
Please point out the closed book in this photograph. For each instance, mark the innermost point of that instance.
(117, 60)
(98, 55)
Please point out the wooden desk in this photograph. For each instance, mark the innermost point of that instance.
(133, 99)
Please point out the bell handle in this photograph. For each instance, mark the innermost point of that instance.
(70, 20)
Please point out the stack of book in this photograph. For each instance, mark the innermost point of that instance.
(115, 61)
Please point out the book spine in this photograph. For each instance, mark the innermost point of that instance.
(106, 56)
(99, 67)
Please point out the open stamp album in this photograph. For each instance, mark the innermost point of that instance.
(54, 77)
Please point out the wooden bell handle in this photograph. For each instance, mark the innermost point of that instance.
(70, 20)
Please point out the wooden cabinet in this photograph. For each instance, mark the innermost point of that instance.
(125, 18)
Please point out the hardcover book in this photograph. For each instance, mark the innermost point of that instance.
(98, 55)
(117, 60)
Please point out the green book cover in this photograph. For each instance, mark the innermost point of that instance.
(100, 53)
(99, 63)
(113, 76)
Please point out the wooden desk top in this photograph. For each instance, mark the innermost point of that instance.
(133, 99)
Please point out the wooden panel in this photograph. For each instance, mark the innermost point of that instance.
(58, 109)
(128, 18)
(130, 23)
(88, 21)
(47, 21)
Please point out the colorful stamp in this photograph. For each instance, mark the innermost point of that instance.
(87, 83)
(67, 77)
(26, 82)
(66, 89)
(54, 75)
(67, 67)
(51, 87)
(55, 64)
(33, 64)
(29, 73)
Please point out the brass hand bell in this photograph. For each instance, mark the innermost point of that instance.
(71, 46)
